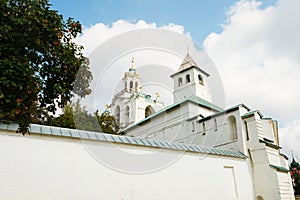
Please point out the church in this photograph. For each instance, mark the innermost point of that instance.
(191, 149)
(193, 119)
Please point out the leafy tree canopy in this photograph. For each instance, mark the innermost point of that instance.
(295, 173)
(108, 123)
(76, 116)
(39, 61)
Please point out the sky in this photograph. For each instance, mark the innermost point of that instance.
(253, 44)
(198, 17)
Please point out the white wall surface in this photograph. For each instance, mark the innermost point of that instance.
(48, 167)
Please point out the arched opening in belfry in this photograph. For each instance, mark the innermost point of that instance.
(200, 79)
(179, 81)
(131, 85)
(126, 116)
(187, 78)
(117, 114)
(149, 111)
(232, 127)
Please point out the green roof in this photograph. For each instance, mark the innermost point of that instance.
(193, 99)
(295, 164)
(219, 113)
(205, 103)
(248, 114)
(239, 105)
(270, 144)
(279, 168)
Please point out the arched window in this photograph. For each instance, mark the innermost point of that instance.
(200, 79)
(126, 116)
(204, 129)
(117, 114)
(187, 78)
(193, 126)
(136, 85)
(179, 81)
(149, 111)
(232, 127)
(125, 85)
(215, 124)
(131, 85)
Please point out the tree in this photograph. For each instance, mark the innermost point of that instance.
(75, 116)
(65, 119)
(295, 175)
(39, 62)
(108, 123)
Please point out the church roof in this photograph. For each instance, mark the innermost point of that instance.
(295, 164)
(193, 99)
(97, 136)
(251, 113)
(188, 63)
(280, 168)
(233, 108)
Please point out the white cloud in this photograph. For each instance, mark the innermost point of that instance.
(257, 55)
(107, 48)
(290, 138)
(96, 34)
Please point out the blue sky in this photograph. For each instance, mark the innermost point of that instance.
(199, 17)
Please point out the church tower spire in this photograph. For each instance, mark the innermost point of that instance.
(132, 63)
(190, 80)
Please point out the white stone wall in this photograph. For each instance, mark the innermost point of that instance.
(217, 132)
(173, 120)
(136, 105)
(269, 183)
(47, 167)
(155, 126)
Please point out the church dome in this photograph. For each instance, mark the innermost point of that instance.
(295, 164)
(131, 72)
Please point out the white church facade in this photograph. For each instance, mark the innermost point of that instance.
(193, 119)
(191, 149)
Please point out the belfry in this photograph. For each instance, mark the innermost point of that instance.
(131, 104)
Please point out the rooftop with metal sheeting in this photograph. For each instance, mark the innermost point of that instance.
(97, 136)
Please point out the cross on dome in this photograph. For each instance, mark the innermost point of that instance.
(132, 63)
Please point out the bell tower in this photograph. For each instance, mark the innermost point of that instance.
(131, 104)
(131, 79)
(190, 80)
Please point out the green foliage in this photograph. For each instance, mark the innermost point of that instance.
(297, 184)
(76, 116)
(39, 61)
(295, 173)
(65, 120)
(108, 123)
(83, 120)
